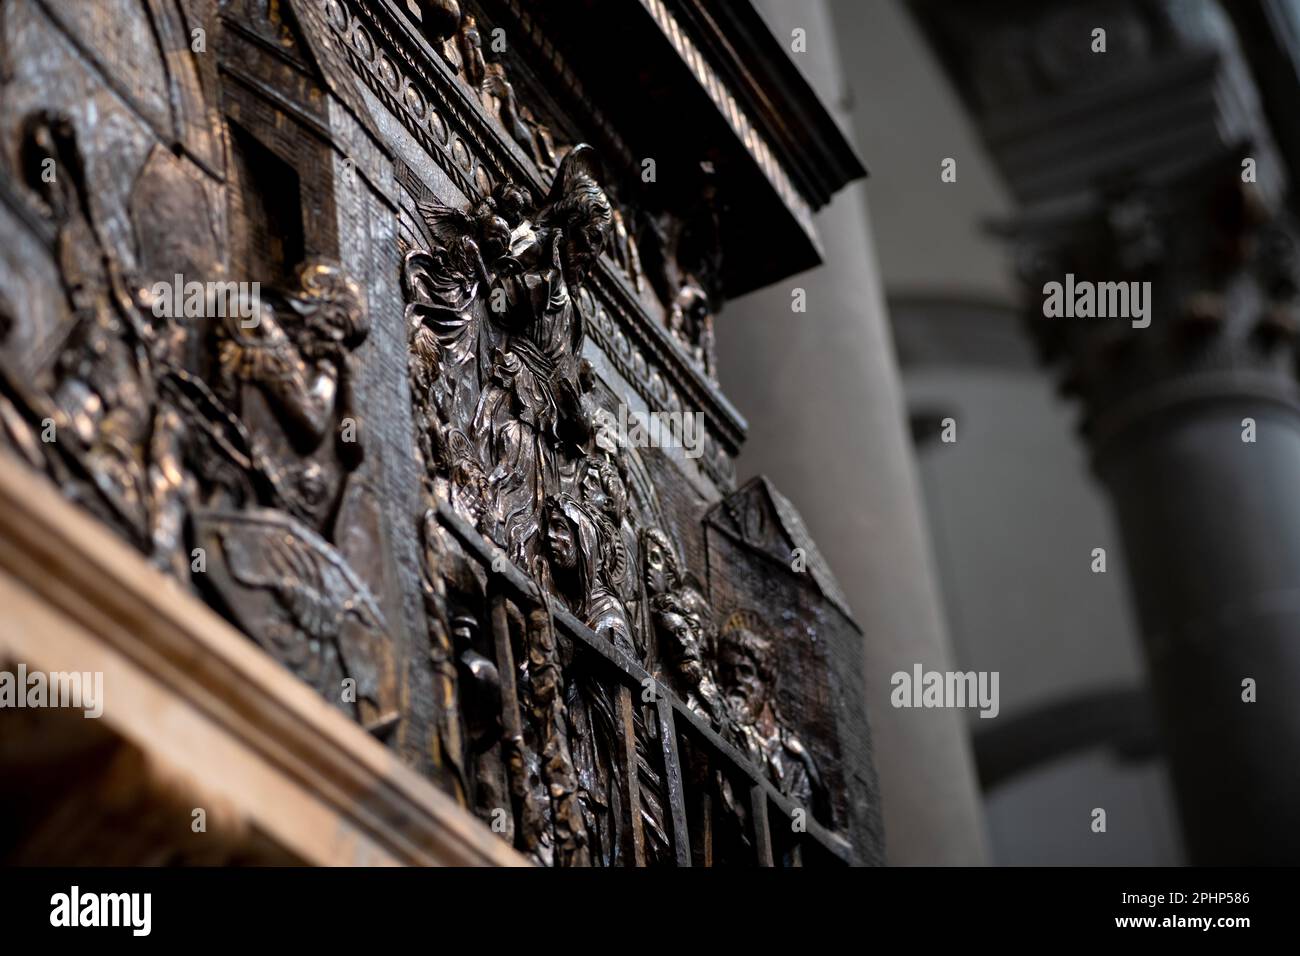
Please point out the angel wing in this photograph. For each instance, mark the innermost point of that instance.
(580, 162)
(308, 577)
(320, 595)
(446, 224)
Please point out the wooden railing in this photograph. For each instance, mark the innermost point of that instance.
(780, 830)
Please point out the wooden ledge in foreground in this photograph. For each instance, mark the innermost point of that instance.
(195, 717)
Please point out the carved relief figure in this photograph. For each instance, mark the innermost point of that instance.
(496, 336)
(449, 342)
(625, 251)
(604, 493)
(248, 460)
(505, 407)
(690, 320)
(746, 670)
(98, 400)
(577, 562)
(285, 383)
(471, 52)
(534, 137)
(287, 375)
(581, 555)
(683, 623)
(440, 17)
(529, 417)
(463, 47)
(682, 249)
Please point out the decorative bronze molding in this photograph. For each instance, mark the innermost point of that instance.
(637, 346)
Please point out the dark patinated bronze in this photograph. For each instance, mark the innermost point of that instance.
(414, 465)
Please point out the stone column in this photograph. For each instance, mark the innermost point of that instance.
(1135, 139)
(1194, 427)
(828, 425)
(1212, 534)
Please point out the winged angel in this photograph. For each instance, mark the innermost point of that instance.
(496, 335)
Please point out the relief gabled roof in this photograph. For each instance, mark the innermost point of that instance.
(765, 520)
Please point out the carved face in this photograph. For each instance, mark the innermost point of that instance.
(688, 311)
(655, 560)
(603, 491)
(587, 219)
(511, 203)
(684, 631)
(494, 233)
(593, 490)
(582, 246)
(676, 319)
(742, 674)
(561, 540)
(332, 304)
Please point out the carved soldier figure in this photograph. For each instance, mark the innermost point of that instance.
(578, 553)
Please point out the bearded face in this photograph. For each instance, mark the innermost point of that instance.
(582, 246)
(587, 220)
(740, 674)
